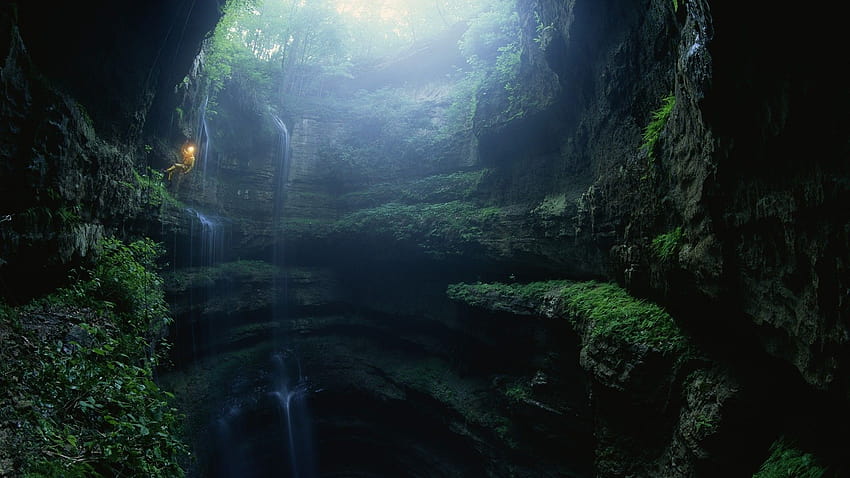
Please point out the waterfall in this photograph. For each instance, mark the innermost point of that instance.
(290, 391)
(280, 179)
(210, 239)
(283, 165)
(203, 141)
(206, 249)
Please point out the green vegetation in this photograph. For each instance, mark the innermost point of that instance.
(243, 271)
(787, 461)
(152, 186)
(438, 226)
(432, 189)
(653, 130)
(544, 32)
(606, 309)
(615, 313)
(58, 217)
(488, 295)
(666, 246)
(302, 48)
(77, 373)
(518, 392)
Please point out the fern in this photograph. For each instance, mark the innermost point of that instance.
(656, 125)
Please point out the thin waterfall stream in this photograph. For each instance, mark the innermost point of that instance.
(203, 142)
(263, 426)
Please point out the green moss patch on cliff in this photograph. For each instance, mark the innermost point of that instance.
(77, 370)
(439, 188)
(437, 229)
(606, 309)
(241, 272)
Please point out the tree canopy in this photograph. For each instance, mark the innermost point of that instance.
(301, 47)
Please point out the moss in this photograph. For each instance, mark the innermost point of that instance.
(607, 309)
(786, 461)
(435, 228)
(439, 188)
(613, 312)
(482, 295)
(238, 271)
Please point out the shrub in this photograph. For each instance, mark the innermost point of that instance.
(77, 373)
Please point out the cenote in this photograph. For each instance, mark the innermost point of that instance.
(423, 238)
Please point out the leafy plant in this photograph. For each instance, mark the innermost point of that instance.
(667, 245)
(153, 188)
(518, 392)
(657, 123)
(787, 461)
(81, 388)
(544, 32)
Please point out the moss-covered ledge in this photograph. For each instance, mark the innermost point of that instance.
(596, 310)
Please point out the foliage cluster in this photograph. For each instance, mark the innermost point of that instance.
(786, 461)
(52, 217)
(385, 123)
(665, 246)
(614, 313)
(438, 188)
(656, 124)
(302, 48)
(518, 392)
(77, 371)
(487, 294)
(492, 48)
(544, 32)
(242, 271)
(152, 187)
(608, 309)
(437, 228)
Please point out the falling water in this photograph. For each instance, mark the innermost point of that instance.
(290, 390)
(203, 141)
(210, 239)
(206, 249)
(283, 165)
(281, 177)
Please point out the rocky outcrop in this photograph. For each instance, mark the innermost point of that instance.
(392, 391)
(62, 185)
(121, 61)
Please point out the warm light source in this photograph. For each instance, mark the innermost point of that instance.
(190, 149)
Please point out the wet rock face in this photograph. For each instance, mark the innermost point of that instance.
(66, 178)
(407, 386)
(61, 185)
(764, 196)
(114, 57)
